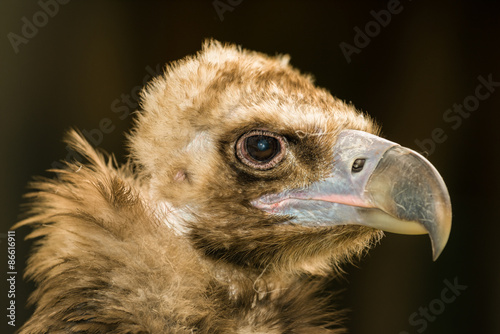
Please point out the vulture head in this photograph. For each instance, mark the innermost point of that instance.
(246, 185)
(263, 169)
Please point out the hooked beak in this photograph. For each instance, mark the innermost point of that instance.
(374, 182)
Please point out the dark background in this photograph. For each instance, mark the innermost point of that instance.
(426, 59)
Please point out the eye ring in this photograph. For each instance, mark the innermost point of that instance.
(260, 149)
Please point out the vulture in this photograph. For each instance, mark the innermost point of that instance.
(245, 190)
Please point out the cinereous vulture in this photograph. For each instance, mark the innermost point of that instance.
(246, 189)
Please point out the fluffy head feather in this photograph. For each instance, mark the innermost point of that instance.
(201, 103)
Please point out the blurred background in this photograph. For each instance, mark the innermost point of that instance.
(81, 63)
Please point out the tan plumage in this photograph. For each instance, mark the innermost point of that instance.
(168, 243)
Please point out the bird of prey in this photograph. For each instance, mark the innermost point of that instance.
(246, 189)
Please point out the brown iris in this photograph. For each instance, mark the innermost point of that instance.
(260, 149)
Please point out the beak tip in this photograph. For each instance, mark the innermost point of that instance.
(436, 252)
(437, 249)
(439, 238)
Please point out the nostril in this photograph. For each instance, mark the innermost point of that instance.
(358, 165)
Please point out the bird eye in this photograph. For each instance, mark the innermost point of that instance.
(358, 165)
(260, 149)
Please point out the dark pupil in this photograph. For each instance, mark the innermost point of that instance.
(262, 148)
